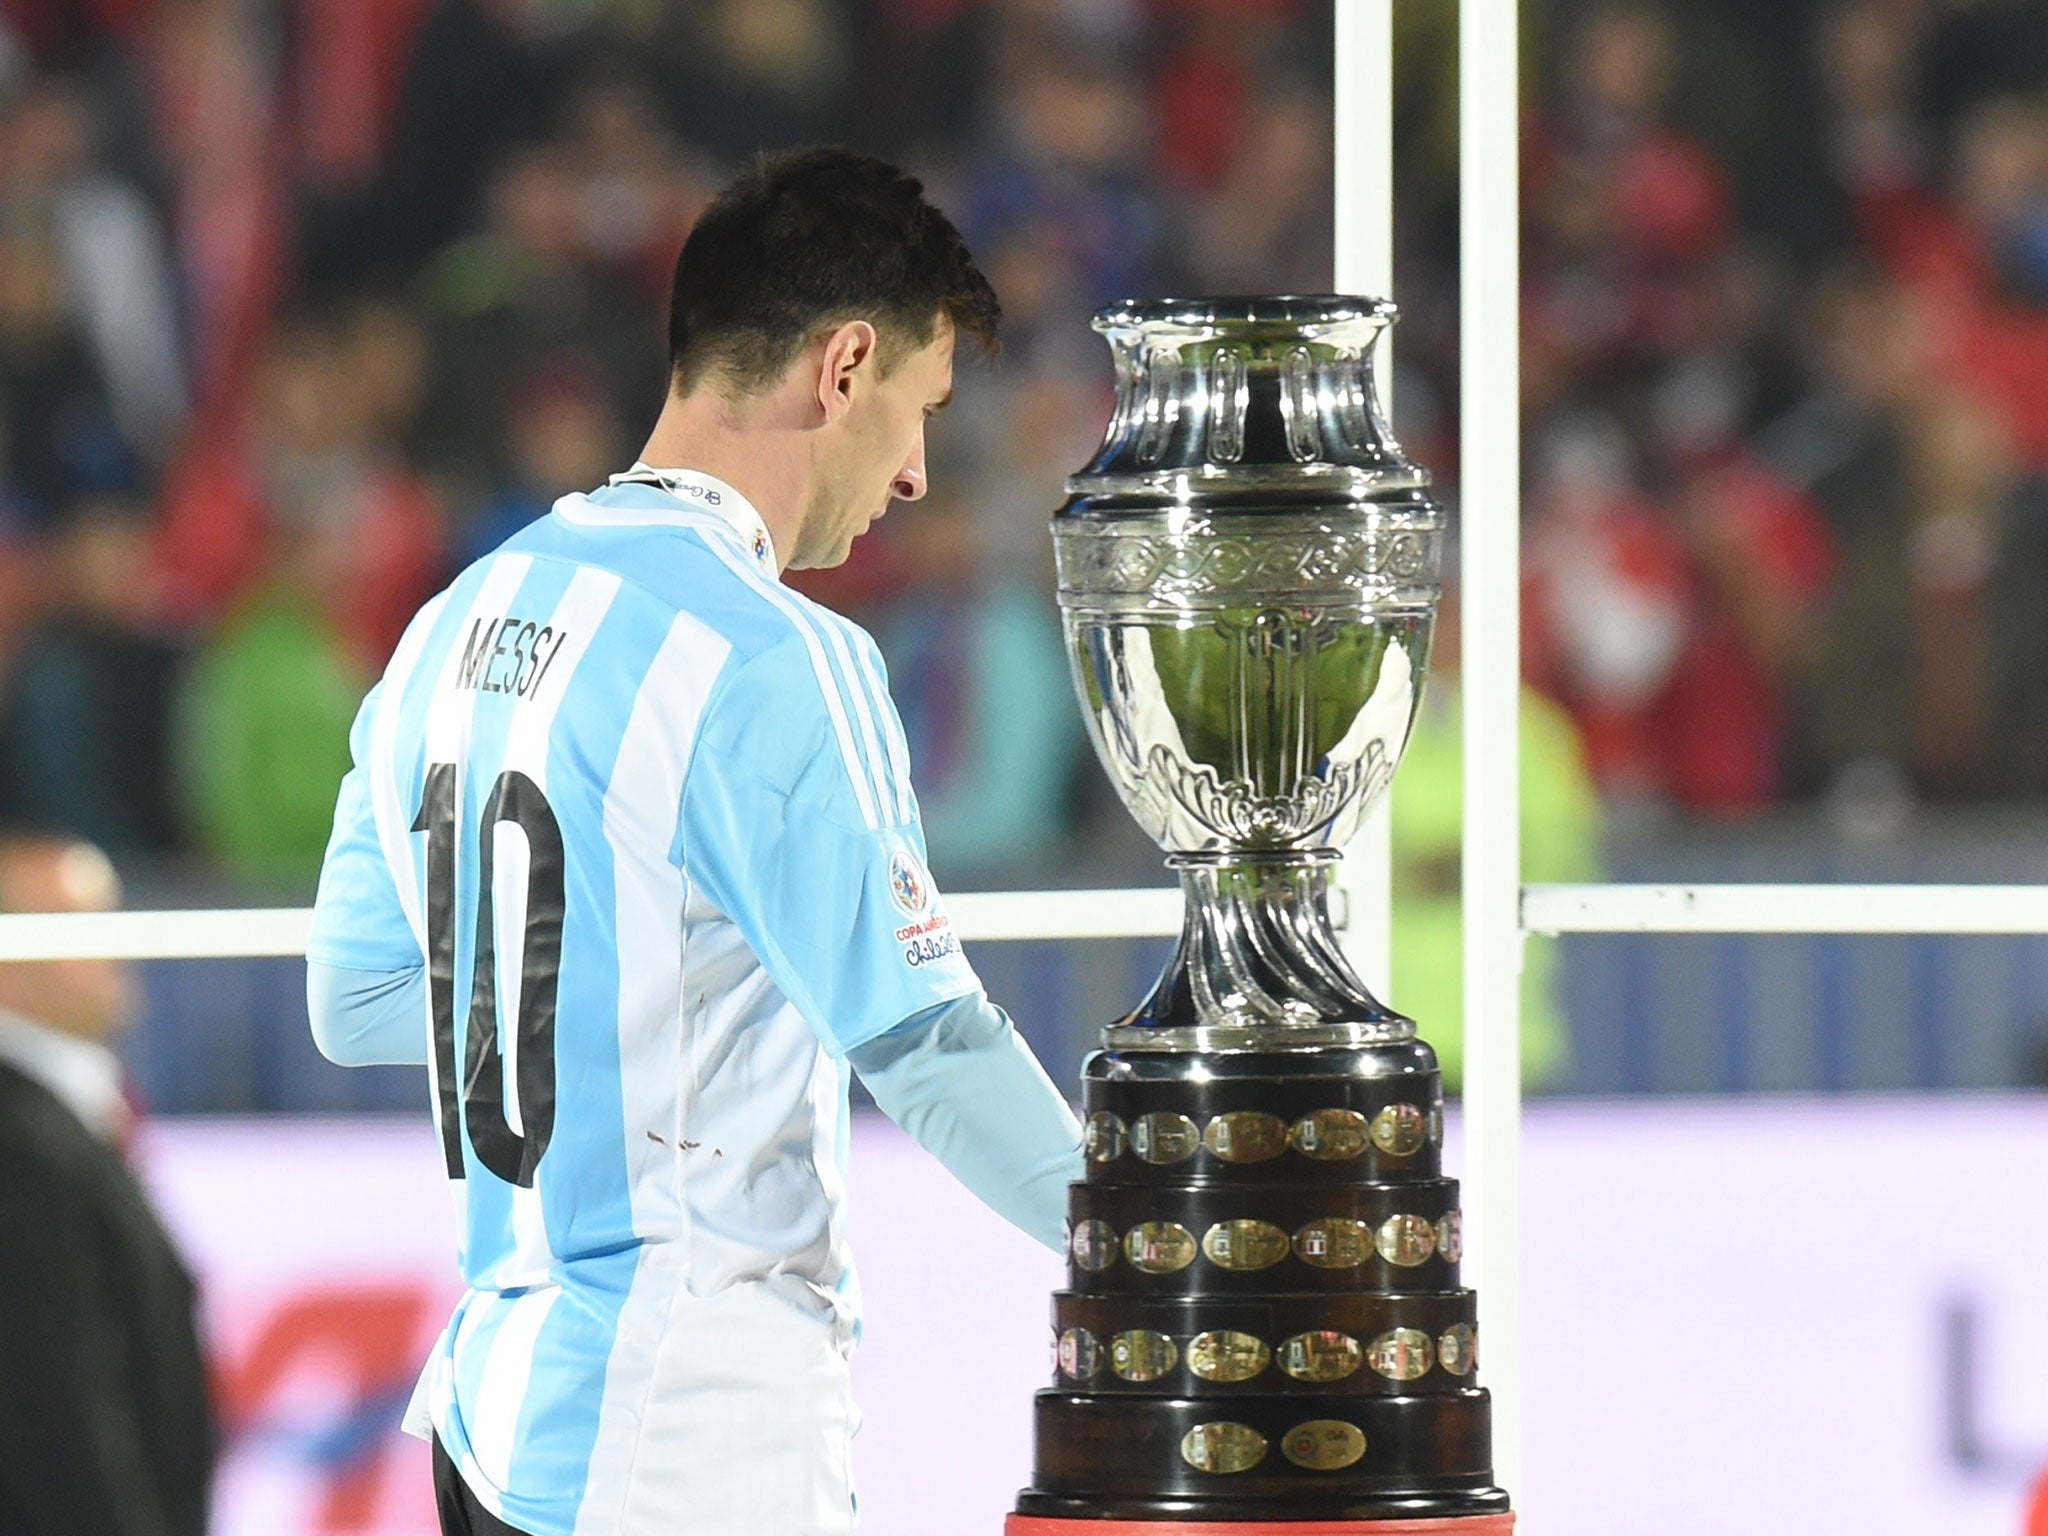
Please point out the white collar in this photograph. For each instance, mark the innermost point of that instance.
(710, 494)
(85, 1075)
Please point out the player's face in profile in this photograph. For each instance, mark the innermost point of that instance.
(880, 452)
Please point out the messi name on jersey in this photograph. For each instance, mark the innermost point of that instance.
(508, 655)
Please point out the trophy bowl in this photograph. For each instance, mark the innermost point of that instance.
(1248, 580)
(1263, 1318)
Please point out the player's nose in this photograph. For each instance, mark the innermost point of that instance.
(909, 484)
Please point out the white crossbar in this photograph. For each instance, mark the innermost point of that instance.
(154, 935)
(1153, 912)
(979, 915)
(1138, 914)
(1785, 909)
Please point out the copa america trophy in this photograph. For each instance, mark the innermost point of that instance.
(1262, 1320)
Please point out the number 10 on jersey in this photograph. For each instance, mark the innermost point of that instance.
(480, 1102)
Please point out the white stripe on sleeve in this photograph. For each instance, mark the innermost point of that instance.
(863, 707)
(863, 790)
(892, 729)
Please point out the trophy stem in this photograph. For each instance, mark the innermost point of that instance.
(1258, 967)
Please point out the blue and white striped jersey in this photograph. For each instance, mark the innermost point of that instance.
(645, 814)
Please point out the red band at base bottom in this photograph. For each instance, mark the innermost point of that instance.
(1463, 1525)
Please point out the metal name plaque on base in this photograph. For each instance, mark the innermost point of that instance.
(1262, 1317)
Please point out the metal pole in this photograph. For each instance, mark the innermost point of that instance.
(1363, 262)
(1489, 280)
(1784, 908)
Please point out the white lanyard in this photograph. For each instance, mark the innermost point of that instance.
(715, 497)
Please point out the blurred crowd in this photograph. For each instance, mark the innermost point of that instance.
(303, 303)
(1786, 384)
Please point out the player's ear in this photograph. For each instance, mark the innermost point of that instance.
(848, 348)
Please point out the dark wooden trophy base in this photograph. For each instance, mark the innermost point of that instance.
(1466, 1525)
(1263, 1329)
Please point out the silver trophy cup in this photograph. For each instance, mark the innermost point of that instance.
(1248, 575)
(1262, 1317)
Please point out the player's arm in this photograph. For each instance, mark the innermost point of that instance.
(797, 823)
(367, 1018)
(962, 1082)
(365, 976)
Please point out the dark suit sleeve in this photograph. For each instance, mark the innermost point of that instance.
(74, 1450)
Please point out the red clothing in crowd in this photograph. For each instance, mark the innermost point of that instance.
(217, 540)
(1989, 343)
(1724, 712)
(1648, 636)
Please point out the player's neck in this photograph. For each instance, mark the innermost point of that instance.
(763, 452)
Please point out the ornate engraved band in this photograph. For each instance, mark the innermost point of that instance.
(1252, 1136)
(1400, 1355)
(1329, 1242)
(1384, 556)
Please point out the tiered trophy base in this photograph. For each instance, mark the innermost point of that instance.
(1099, 1456)
(1263, 1327)
(1464, 1525)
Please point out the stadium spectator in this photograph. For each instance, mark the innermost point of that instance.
(216, 116)
(563, 438)
(1214, 84)
(312, 457)
(755, 74)
(114, 257)
(1627, 211)
(1607, 600)
(518, 299)
(322, 541)
(639, 187)
(86, 719)
(1875, 141)
(59, 435)
(1265, 223)
(480, 75)
(1063, 167)
(1927, 677)
(1975, 257)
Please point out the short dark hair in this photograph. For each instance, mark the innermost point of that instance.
(806, 240)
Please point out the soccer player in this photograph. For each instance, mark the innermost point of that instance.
(629, 859)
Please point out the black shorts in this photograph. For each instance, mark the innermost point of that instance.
(461, 1514)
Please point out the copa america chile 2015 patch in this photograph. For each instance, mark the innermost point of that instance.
(928, 937)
